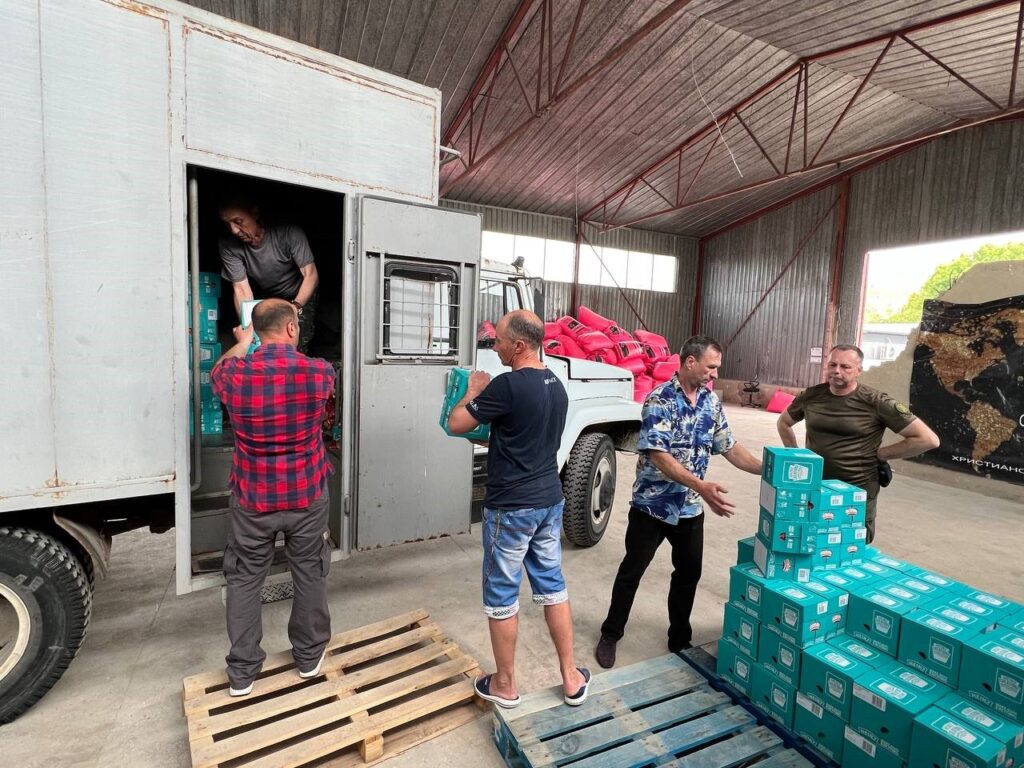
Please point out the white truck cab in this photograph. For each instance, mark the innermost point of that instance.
(602, 414)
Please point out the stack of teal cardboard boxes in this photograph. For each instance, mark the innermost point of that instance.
(211, 413)
(872, 660)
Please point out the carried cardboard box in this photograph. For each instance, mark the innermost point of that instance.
(792, 468)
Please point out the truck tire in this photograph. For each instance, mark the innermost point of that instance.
(589, 487)
(45, 602)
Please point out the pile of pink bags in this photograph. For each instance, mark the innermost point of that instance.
(644, 354)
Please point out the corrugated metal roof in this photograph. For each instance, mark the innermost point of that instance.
(573, 152)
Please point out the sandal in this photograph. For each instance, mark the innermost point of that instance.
(482, 685)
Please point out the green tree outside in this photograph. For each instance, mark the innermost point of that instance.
(942, 280)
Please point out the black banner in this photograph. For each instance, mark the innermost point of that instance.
(968, 386)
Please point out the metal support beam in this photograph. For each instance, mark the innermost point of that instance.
(782, 273)
(698, 290)
(562, 93)
(799, 71)
(835, 283)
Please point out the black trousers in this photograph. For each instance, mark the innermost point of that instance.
(644, 535)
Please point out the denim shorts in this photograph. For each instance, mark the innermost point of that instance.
(512, 539)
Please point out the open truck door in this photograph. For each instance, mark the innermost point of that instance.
(418, 290)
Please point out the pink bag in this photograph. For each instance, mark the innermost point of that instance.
(606, 356)
(570, 326)
(593, 320)
(657, 347)
(551, 331)
(594, 341)
(642, 386)
(565, 345)
(615, 333)
(634, 365)
(486, 331)
(663, 370)
(628, 350)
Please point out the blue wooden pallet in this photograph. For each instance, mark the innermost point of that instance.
(662, 712)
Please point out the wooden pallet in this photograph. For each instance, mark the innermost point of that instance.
(382, 689)
(660, 712)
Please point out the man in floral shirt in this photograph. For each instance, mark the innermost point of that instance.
(683, 424)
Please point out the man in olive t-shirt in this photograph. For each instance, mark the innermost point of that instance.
(845, 424)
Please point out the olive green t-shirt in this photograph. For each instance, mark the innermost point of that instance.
(846, 430)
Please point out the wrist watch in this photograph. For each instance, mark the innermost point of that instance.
(298, 307)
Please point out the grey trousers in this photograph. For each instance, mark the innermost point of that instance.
(247, 559)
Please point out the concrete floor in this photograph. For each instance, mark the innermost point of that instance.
(120, 702)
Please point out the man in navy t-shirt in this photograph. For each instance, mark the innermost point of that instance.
(522, 516)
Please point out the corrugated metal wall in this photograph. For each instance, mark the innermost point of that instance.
(962, 185)
(666, 313)
(739, 267)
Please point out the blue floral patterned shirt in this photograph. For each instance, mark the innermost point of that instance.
(691, 433)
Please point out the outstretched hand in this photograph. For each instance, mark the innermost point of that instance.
(478, 381)
(714, 495)
(243, 335)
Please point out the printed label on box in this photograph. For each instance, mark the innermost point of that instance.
(894, 691)
(912, 679)
(959, 733)
(742, 669)
(810, 706)
(980, 717)
(836, 687)
(859, 741)
(882, 624)
(786, 657)
(797, 473)
(1009, 686)
(941, 653)
(873, 699)
(754, 593)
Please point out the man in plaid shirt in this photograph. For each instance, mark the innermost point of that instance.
(275, 399)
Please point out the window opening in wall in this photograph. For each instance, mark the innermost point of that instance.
(420, 310)
(900, 280)
(599, 265)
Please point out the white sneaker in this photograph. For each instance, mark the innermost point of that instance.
(241, 691)
(315, 670)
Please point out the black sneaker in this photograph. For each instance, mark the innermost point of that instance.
(679, 649)
(605, 652)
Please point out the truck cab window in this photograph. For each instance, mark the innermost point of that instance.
(497, 298)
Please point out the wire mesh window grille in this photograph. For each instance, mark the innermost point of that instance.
(421, 310)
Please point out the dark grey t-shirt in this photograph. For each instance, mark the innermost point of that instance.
(274, 266)
(526, 410)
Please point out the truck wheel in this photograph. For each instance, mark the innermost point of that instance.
(45, 603)
(589, 488)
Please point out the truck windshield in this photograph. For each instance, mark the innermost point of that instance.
(497, 298)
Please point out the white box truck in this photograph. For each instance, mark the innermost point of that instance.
(122, 124)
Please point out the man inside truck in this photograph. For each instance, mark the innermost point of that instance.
(276, 398)
(277, 258)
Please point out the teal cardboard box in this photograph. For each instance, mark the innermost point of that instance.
(827, 675)
(746, 588)
(837, 503)
(875, 617)
(1000, 604)
(828, 552)
(784, 566)
(772, 696)
(735, 666)
(933, 645)
(785, 503)
(1006, 732)
(742, 628)
(857, 574)
(745, 550)
(821, 729)
(1014, 621)
(838, 579)
(992, 672)
(877, 571)
(795, 468)
(933, 578)
(974, 624)
(873, 554)
(939, 738)
(894, 589)
(780, 657)
(886, 701)
(986, 614)
(922, 587)
(860, 651)
(860, 752)
(458, 382)
(801, 615)
(782, 535)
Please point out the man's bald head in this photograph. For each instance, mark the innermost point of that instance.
(523, 325)
(271, 317)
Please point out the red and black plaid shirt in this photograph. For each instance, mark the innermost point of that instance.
(275, 398)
